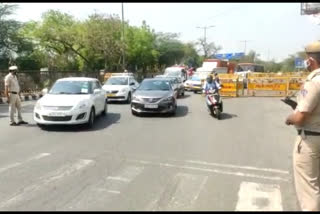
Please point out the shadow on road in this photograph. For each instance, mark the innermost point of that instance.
(225, 116)
(100, 123)
(185, 96)
(118, 102)
(182, 111)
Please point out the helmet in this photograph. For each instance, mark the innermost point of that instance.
(209, 79)
(12, 68)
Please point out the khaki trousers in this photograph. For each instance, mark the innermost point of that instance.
(15, 104)
(306, 164)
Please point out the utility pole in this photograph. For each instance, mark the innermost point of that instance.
(205, 34)
(123, 46)
(245, 45)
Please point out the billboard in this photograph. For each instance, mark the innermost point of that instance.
(229, 55)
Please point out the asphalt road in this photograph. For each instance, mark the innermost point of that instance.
(188, 162)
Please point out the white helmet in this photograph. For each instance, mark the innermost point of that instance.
(11, 68)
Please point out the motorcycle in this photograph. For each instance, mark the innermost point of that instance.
(214, 103)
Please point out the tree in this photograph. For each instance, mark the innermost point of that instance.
(141, 48)
(57, 34)
(171, 50)
(101, 36)
(208, 49)
(191, 57)
(8, 33)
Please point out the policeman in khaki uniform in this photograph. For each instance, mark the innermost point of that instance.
(12, 91)
(306, 119)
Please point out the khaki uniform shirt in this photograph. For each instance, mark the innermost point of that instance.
(12, 82)
(308, 101)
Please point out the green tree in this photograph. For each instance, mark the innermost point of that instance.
(171, 50)
(141, 50)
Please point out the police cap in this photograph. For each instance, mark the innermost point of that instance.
(313, 47)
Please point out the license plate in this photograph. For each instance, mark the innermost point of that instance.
(111, 95)
(151, 106)
(56, 114)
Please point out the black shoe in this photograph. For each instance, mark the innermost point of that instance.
(22, 122)
(14, 124)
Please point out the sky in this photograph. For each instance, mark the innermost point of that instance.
(273, 30)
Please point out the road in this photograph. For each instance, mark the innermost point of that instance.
(188, 162)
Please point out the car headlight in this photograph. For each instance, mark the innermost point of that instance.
(38, 106)
(123, 90)
(168, 99)
(135, 98)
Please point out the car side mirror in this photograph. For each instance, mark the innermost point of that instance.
(132, 83)
(97, 91)
(44, 91)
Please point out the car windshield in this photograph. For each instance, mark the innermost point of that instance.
(117, 81)
(71, 87)
(155, 85)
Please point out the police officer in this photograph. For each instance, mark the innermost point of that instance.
(306, 119)
(12, 91)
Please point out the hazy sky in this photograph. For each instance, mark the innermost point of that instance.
(274, 30)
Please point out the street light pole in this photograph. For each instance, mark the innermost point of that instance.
(123, 46)
(245, 45)
(205, 34)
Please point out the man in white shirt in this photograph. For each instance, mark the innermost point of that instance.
(12, 91)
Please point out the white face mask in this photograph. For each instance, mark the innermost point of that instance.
(306, 63)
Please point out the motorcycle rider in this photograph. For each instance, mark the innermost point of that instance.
(211, 85)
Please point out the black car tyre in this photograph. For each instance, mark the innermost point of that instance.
(105, 110)
(129, 98)
(91, 120)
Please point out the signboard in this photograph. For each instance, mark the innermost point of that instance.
(229, 55)
(298, 63)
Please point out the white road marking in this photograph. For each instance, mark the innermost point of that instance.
(259, 197)
(37, 157)
(46, 180)
(118, 179)
(127, 174)
(239, 167)
(114, 191)
(99, 193)
(187, 192)
(241, 174)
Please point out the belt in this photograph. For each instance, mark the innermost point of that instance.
(13, 92)
(308, 133)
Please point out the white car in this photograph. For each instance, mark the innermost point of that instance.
(73, 100)
(120, 88)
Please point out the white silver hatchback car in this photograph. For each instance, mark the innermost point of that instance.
(74, 100)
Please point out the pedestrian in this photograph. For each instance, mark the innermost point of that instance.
(306, 119)
(12, 92)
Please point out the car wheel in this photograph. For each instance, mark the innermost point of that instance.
(195, 92)
(182, 94)
(105, 110)
(91, 118)
(129, 98)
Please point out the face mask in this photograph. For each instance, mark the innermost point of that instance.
(306, 63)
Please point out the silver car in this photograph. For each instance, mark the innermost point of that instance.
(154, 96)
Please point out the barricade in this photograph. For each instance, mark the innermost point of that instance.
(275, 84)
(230, 85)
